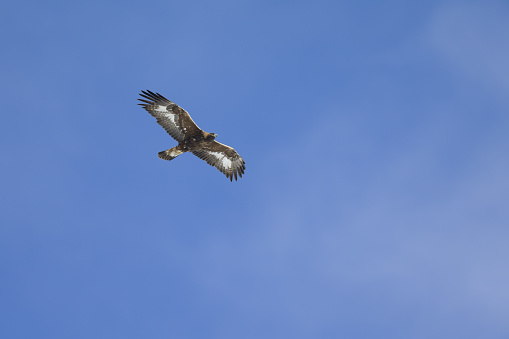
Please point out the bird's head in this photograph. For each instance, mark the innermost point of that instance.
(211, 136)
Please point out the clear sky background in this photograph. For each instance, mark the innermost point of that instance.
(376, 194)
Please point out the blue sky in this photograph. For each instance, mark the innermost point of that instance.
(374, 203)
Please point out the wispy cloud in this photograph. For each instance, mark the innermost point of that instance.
(351, 224)
(474, 38)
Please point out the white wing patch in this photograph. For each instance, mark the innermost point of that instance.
(164, 110)
(222, 159)
(227, 163)
(161, 108)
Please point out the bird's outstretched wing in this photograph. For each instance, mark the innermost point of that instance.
(222, 157)
(173, 118)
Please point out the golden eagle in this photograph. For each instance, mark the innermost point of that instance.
(178, 123)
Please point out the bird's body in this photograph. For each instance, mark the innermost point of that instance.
(179, 125)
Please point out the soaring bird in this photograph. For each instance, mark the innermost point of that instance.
(178, 123)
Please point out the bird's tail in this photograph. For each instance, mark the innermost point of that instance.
(170, 154)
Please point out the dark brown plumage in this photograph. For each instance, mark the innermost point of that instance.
(178, 123)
